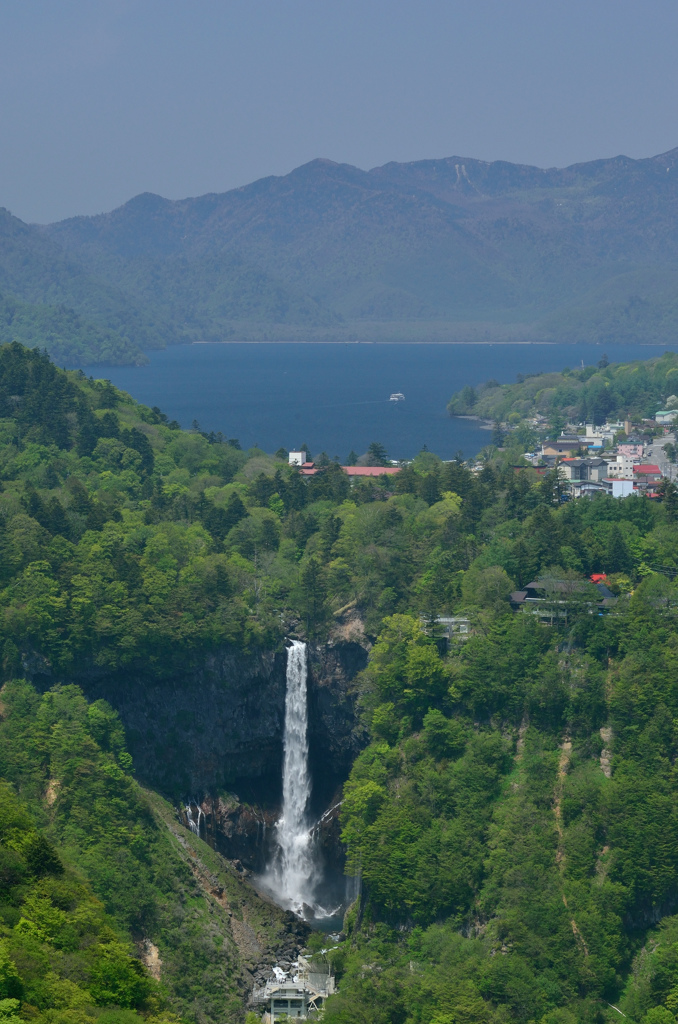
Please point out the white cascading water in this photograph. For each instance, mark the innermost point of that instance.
(192, 824)
(295, 869)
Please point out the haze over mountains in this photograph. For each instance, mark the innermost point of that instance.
(451, 250)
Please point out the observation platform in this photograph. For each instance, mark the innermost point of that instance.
(298, 995)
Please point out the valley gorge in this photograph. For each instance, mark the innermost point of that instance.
(490, 789)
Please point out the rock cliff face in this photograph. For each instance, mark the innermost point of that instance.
(218, 726)
(335, 737)
(212, 733)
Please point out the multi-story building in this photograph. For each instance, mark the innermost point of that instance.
(583, 469)
(621, 466)
(633, 450)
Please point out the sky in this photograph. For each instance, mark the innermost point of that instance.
(103, 99)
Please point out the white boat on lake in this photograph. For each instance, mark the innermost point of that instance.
(397, 396)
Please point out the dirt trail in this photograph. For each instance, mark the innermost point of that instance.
(605, 754)
(520, 745)
(563, 765)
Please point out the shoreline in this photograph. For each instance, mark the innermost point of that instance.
(486, 424)
(266, 341)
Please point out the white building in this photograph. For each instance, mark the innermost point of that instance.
(297, 458)
(595, 437)
(621, 467)
(665, 416)
(618, 488)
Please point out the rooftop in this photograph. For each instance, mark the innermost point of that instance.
(310, 469)
(586, 462)
(370, 470)
(537, 592)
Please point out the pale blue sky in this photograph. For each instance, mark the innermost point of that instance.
(103, 99)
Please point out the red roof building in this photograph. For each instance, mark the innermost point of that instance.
(310, 469)
(646, 479)
(370, 470)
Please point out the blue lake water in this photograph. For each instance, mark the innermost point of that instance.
(335, 398)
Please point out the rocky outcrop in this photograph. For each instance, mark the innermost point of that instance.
(335, 734)
(244, 833)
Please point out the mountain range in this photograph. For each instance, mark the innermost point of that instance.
(455, 249)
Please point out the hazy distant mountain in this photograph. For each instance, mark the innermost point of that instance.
(42, 287)
(438, 249)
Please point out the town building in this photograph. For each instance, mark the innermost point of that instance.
(598, 437)
(551, 599)
(577, 470)
(310, 469)
(447, 628)
(617, 488)
(297, 458)
(665, 416)
(587, 488)
(355, 471)
(563, 446)
(634, 451)
(621, 465)
(647, 477)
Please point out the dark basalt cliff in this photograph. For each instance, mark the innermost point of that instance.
(211, 733)
(217, 725)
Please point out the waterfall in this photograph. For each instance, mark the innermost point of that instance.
(295, 869)
(295, 876)
(194, 825)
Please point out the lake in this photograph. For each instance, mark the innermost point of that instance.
(335, 398)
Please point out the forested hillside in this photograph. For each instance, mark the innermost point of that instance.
(514, 817)
(109, 909)
(451, 249)
(595, 393)
(437, 250)
(48, 299)
(69, 339)
(517, 811)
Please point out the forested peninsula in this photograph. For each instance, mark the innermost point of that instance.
(633, 390)
(512, 811)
